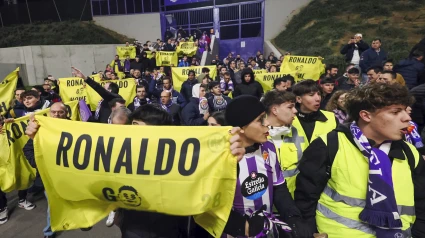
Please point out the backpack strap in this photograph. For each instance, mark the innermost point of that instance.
(410, 156)
(332, 145)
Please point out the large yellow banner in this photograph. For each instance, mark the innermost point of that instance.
(15, 171)
(180, 74)
(124, 51)
(166, 58)
(187, 48)
(266, 79)
(7, 91)
(72, 89)
(306, 67)
(173, 170)
(127, 91)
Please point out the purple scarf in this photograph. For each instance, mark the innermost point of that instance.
(414, 137)
(381, 208)
(340, 115)
(127, 66)
(167, 106)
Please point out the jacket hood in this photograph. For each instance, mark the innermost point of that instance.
(245, 72)
(195, 90)
(408, 62)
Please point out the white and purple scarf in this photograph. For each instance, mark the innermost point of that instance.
(413, 137)
(96, 113)
(203, 105)
(167, 106)
(137, 102)
(381, 208)
(226, 86)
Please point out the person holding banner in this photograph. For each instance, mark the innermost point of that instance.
(117, 65)
(32, 102)
(260, 182)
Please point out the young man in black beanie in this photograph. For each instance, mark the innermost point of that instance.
(216, 100)
(260, 182)
(327, 85)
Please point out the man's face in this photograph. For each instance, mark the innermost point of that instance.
(108, 75)
(216, 90)
(223, 70)
(261, 57)
(357, 38)
(372, 76)
(257, 131)
(137, 59)
(116, 57)
(46, 88)
(247, 78)
(185, 58)
(253, 63)
(18, 95)
(191, 76)
(389, 123)
(167, 84)
(388, 66)
(233, 64)
(127, 43)
(137, 74)
(268, 64)
(216, 57)
(238, 56)
(281, 87)
(147, 73)
(353, 77)
(202, 92)
(278, 63)
(310, 102)
(327, 88)
(30, 101)
(57, 110)
(341, 100)
(241, 66)
(288, 84)
(285, 112)
(165, 97)
(376, 44)
(385, 78)
(141, 93)
(333, 72)
(226, 78)
(113, 77)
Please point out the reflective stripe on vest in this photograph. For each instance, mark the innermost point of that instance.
(358, 202)
(297, 140)
(352, 224)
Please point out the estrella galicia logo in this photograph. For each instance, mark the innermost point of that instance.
(254, 186)
(126, 194)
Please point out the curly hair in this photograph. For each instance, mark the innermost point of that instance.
(375, 96)
(333, 101)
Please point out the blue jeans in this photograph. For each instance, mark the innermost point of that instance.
(48, 229)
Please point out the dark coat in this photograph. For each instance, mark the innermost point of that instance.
(411, 69)
(348, 50)
(186, 89)
(252, 88)
(191, 115)
(371, 58)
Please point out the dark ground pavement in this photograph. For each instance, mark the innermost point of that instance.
(29, 224)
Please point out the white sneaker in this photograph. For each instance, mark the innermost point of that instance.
(26, 205)
(3, 215)
(110, 220)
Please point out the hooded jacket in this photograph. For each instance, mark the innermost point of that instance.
(410, 69)
(191, 115)
(186, 89)
(252, 87)
(371, 58)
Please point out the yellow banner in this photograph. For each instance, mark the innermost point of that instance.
(15, 171)
(266, 80)
(173, 170)
(187, 48)
(166, 58)
(127, 91)
(306, 67)
(124, 51)
(72, 89)
(180, 74)
(260, 71)
(7, 91)
(148, 54)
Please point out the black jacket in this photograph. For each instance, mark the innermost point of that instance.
(313, 177)
(348, 50)
(175, 113)
(137, 65)
(252, 88)
(105, 110)
(186, 89)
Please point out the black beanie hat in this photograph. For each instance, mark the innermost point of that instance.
(212, 84)
(243, 110)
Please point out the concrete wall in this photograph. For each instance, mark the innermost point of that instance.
(37, 62)
(142, 27)
(278, 13)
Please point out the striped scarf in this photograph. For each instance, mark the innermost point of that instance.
(413, 136)
(96, 114)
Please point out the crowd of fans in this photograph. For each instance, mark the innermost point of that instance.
(294, 113)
